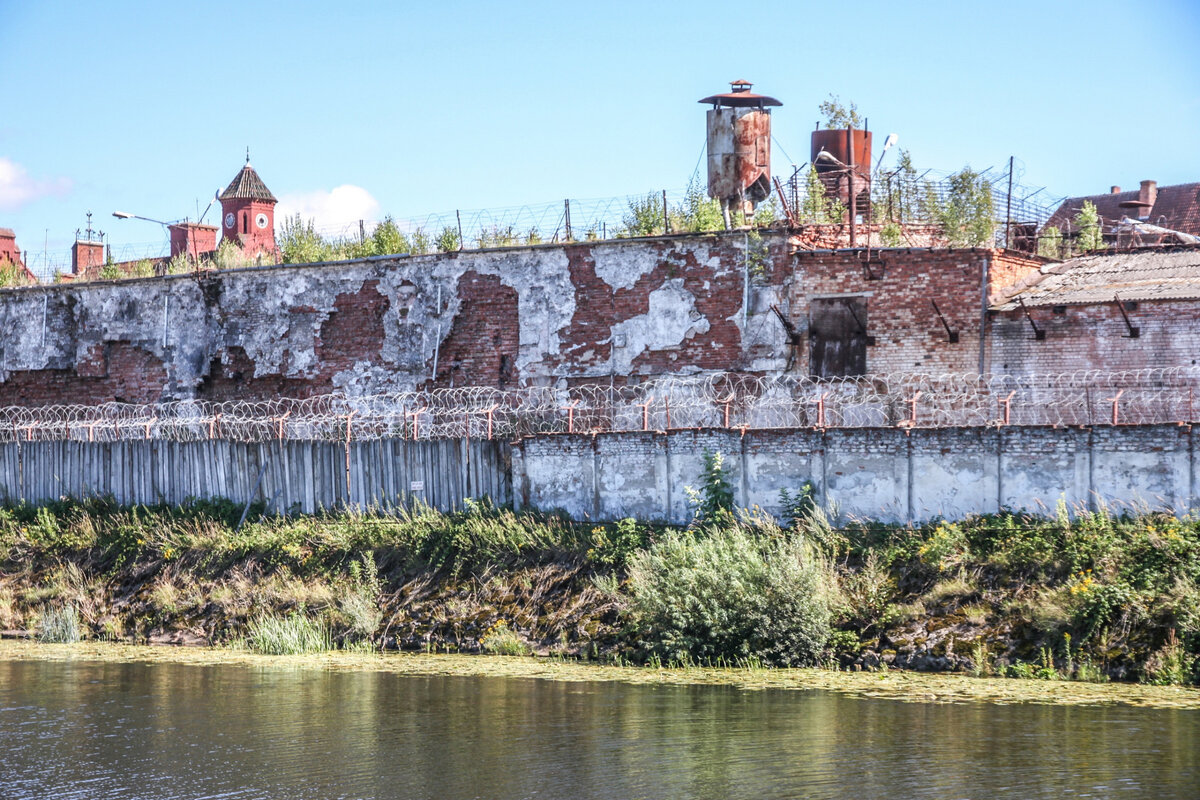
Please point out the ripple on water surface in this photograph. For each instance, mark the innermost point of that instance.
(108, 730)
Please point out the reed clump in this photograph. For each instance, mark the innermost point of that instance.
(59, 625)
(291, 635)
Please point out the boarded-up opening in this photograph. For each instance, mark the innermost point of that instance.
(838, 337)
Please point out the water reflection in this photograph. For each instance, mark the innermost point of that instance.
(177, 731)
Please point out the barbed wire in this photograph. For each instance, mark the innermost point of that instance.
(721, 400)
(894, 198)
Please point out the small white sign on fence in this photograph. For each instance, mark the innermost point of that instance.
(417, 486)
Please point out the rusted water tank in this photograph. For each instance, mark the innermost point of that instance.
(842, 157)
(739, 147)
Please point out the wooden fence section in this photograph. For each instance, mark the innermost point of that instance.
(304, 476)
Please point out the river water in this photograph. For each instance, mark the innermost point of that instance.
(104, 730)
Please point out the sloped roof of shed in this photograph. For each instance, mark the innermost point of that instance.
(1148, 274)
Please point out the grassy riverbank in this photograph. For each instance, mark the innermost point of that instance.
(1077, 597)
(901, 685)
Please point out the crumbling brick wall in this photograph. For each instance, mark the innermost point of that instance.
(589, 312)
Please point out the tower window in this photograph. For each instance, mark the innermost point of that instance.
(245, 222)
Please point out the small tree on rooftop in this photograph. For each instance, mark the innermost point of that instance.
(817, 208)
(897, 194)
(448, 240)
(1050, 243)
(644, 216)
(699, 212)
(838, 115)
(1091, 235)
(389, 240)
(966, 214)
(420, 242)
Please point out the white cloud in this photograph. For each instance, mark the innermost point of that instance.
(17, 188)
(332, 212)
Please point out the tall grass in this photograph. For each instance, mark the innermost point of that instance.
(60, 625)
(285, 636)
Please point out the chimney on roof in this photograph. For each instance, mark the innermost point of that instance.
(1115, 190)
(1147, 195)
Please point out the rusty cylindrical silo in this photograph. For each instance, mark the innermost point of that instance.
(739, 148)
(845, 167)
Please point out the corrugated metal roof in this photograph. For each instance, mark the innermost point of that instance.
(246, 185)
(1172, 274)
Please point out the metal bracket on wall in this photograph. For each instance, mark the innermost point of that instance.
(1038, 333)
(1134, 331)
(795, 338)
(951, 334)
(862, 329)
(873, 266)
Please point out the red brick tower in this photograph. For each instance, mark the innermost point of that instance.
(248, 213)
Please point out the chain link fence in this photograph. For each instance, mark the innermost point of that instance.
(711, 401)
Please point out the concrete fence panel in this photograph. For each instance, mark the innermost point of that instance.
(303, 476)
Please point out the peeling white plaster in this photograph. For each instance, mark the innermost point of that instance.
(621, 267)
(672, 318)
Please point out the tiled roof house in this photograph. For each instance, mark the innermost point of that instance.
(1175, 208)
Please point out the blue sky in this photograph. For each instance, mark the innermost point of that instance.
(414, 108)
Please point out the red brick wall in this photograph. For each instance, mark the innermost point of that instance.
(104, 372)
(482, 346)
(908, 334)
(1008, 268)
(193, 239)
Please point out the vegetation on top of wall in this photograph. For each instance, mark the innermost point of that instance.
(13, 275)
(966, 213)
(1091, 235)
(696, 213)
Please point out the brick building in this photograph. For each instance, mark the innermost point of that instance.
(248, 214)
(1112, 310)
(594, 312)
(10, 254)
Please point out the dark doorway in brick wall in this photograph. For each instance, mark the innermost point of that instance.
(837, 330)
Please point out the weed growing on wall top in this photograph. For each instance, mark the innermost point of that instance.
(714, 501)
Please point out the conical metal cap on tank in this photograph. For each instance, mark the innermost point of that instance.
(739, 148)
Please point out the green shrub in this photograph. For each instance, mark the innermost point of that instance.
(798, 507)
(1170, 665)
(291, 635)
(612, 546)
(360, 600)
(868, 594)
(1019, 669)
(731, 595)
(503, 641)
(945, 548)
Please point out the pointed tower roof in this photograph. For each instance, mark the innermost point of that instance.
(246, 185)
